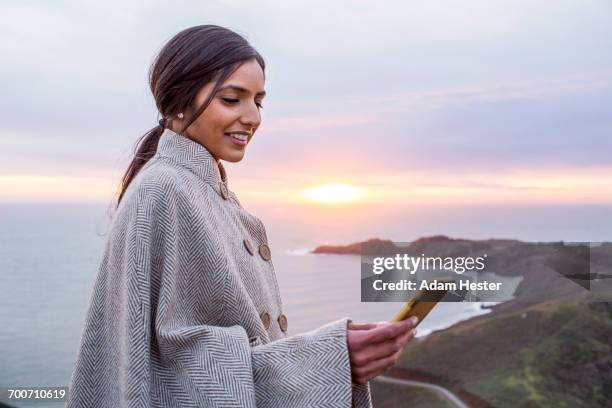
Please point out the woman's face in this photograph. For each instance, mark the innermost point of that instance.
(228, 123)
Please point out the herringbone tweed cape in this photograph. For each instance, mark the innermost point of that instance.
(177, 316)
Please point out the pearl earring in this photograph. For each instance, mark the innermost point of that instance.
(180, 115)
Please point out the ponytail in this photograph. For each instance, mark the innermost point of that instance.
(144, 150)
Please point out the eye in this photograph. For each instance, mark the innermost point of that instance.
(231, 101)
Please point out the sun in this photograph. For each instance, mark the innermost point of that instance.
(334, 193)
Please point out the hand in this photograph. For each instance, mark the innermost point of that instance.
(373, 348)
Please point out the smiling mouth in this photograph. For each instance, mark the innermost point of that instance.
(240, 139)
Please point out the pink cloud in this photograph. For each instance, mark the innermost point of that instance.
(319, 121)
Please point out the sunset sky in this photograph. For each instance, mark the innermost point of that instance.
(368, 102)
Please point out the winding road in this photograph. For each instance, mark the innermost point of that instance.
(452, 398)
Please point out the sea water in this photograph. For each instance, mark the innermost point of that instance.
(49, 254)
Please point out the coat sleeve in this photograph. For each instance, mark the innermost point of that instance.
(176, 272)
(306, 370)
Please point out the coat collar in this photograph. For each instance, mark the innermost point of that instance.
(192, 155)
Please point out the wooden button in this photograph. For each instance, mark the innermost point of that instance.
(265, 319)
(282, 322)
(224, 192)
(264, 251)
(249, 247)
(222, 172)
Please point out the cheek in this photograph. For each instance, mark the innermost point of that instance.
(214, 122)
(222, 116)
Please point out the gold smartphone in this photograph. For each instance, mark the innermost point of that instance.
(421, 304)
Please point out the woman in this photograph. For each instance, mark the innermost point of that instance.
(185, 310)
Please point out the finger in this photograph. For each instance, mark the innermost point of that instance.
(412, 321)
(390, 360)
(380, 350)
(375, 367)
(409, 323)
(374, 352)
(386, 332)
(361, 326)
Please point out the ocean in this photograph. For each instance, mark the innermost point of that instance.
(49, 255)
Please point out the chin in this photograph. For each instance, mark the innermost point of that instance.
(233, 157)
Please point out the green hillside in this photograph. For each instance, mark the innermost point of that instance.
(550, 346)
(553, 354)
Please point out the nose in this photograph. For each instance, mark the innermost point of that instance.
(251, 116)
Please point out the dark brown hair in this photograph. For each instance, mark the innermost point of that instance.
(191, 59)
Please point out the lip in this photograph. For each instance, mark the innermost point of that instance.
(239, 142)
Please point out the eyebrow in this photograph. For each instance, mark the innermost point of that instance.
(240, 89)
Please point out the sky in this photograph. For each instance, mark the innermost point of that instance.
(464, 101)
